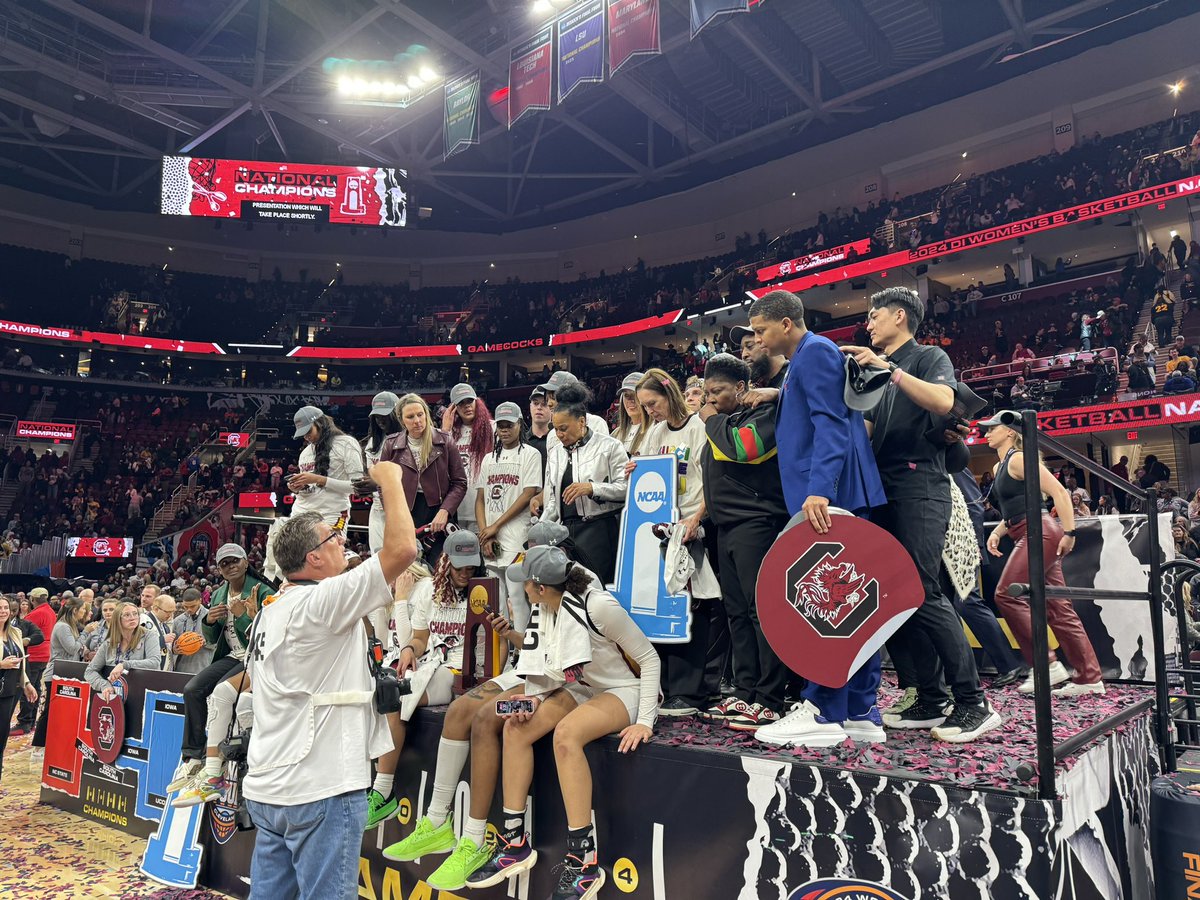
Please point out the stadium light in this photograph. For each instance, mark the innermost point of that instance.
(1176, 88)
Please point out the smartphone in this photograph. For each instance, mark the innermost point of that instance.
(514, 705)
(504, 707)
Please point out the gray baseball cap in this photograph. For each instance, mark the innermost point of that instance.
(230, 551)
(630, 382)
(463, 549)
(461, 392)
(384, 403)
(1009, 418)
(546, 534)
(508, 412)
(305, 418)
(542, 565)
(559, 380)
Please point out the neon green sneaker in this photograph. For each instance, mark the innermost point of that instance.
(425, 840)
(466, 859)
(380, 808)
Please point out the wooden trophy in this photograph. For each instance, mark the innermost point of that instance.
(483, 599)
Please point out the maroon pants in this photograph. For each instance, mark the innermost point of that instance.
(1059, 613)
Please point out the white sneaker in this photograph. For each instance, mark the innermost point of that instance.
(184, 774)
(866, 729)
(1075, 689)
(802, 727)
(1058, 674)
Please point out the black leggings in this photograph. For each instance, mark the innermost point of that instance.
(7, 705)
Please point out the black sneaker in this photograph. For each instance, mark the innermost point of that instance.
(920, 715)
(677, 706)
(1012, 676)
(966, 723)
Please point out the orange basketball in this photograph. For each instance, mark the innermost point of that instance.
(188, 643)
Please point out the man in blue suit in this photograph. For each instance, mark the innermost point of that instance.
(825, 459)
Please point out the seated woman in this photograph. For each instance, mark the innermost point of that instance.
(130, 645)
(598, 675)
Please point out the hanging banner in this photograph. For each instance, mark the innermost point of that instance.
(530, 76)
(460, 126)
(580, 47)
(704, 11)
(632, 31)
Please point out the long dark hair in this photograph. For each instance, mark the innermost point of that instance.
(326, 432)
(482, 436)
(380, 427)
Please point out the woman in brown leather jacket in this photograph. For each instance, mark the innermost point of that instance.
(435, 482)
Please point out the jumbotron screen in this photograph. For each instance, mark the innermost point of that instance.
(99, 548)
(283, 192)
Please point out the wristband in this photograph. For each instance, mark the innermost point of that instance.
(1069, 534)
(409, 647)
(897, 374)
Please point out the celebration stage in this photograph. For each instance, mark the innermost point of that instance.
(704, 812)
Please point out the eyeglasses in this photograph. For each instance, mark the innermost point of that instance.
(335, 533)
(229, 563)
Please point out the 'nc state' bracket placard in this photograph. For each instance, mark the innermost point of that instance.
(641, 576)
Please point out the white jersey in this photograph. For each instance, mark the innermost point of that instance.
(447, 622)
(376, 517)
(597, 424)
(345, 467)
(502, 480)
(631, 438)
(686, 442)
(466, 509)
(315, 725)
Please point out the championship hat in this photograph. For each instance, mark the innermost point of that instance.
(508, 412)
(542, 565)
(384, 403)
(461, 392)
(546, 533)
(864, 385)
(630, 382)
(305, 418)
(558, 381)
(463, 549)
(828, 602)
(230, 551)
(1009, 418)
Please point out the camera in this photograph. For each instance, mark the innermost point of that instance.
(234, 747)
(389, 688)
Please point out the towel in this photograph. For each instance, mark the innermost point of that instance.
(567, 643)
(961, 551)
(687, 566)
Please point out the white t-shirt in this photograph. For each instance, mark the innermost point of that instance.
(449, 622)
(345, 467)
(502, 481)
(629, 439)
(466, 509)
(686, 442)
(595, 423)
(315, 725)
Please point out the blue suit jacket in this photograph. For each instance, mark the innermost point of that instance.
(823, 445)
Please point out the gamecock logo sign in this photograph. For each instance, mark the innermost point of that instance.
(833, 597)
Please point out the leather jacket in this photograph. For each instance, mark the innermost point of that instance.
(598, 459)
(443, 480)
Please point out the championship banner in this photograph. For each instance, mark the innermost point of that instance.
(632, 31)
(242, 189)
(460, 123)
(530, 75)
(46, 431)
(580, 47)
(828, 602)
(99, 547)
(641, 574)
(705, 11)
(815, 260)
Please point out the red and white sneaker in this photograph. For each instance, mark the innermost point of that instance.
(727, 709)
(755, 717)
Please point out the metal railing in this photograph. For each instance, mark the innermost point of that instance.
(28, 560)
(1048, 752)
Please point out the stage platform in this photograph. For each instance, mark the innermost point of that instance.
(704, 812)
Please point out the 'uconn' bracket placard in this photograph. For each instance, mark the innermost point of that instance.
(641, 583)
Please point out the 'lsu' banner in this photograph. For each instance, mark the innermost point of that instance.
(641, 575)
(580, 47)
(460, 127)
(529, 75)
(632, 31)
(704, 11)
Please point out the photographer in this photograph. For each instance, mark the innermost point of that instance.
(316, 727)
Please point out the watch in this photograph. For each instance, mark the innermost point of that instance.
(1070, 533)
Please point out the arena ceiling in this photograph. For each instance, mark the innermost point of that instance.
(92, 94)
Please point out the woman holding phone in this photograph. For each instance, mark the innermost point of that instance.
(130, 645)
(14, 682)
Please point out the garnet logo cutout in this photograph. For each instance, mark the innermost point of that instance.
(844, 889)
(107, 724)
(831, 595)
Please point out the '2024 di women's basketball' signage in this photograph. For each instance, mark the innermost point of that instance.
(1178, 410)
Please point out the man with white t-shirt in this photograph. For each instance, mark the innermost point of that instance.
(508, 479)
(315, 725)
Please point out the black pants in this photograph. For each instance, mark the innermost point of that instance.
(1165, 325)
(43, 719)
(683, 665)
(758, 675)
(7, 705)
(28, 715)
(920, 527)
(195, 704)
(595, 543)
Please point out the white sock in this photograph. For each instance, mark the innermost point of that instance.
(221, 703)
(383, 783)
(212, 766)
(475, 829)
(452, 756)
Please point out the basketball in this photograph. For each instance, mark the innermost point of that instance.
(188, 643)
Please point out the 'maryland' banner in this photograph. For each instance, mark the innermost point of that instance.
(530, 75)
(816, 260)
(46, 431)
(994, 235)
(632, 31)
(580, 47)
(242, 189)
(460, 128)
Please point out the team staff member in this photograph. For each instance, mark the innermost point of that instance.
(226, 627)
(744, 497)
(539, 422)
(192, 619)
(14, 676)
(917, 485)
(824, 460)
(329, 464)
(130, 645)
(1004, 433)
(435, 481)
(556, 383)
(315, 725)
(767, 370)
(585, 482)
(469, 425)
(382, 423)
(510, 477)
(163, 612)
(631, 418)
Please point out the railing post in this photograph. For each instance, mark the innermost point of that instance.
(1189, 681)
(1043, 718)
(1162, 712)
